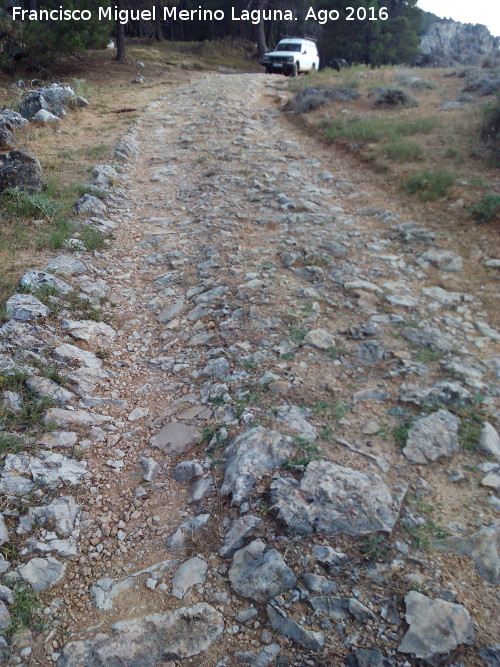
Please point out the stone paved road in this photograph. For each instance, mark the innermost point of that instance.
(275, 336)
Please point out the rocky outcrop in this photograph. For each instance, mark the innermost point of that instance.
(450, 43)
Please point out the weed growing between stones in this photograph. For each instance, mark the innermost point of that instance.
(25, 409)
(24, 610)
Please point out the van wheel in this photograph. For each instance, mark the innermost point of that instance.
(269, 70)
(295, 70)
(313, 68)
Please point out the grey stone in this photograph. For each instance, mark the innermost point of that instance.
(360, 612)
(4, 564)
(59, 516)
(7, 139)
(171, 312)
(260, 573)
(187, 530)
(6, 594)
(4, 533)
(481, 547)
(432, 437)
(436, 628)
(250, 456)
(442, 296)
(46, 388)
(20, 169)
(35, 280)
(321, 339)
(105, 590)
(370, 395)
(192, 572)
(54, 98)
(295, 418)
(12, 119)
(5, 619)
(44, 117)
(149, 640)
(319, 584)
(328, 555)
(96, 334)
(69, 418)
(71, 353)
(333, 499)
(104, 176)
(334, 607)
(442, 259)
(21, 471)
(491, 655)
(200, 489)
(90, 205)
(150, 468)
(25, 307)
(186, 471)
(217, 368)
(175, 438)
(364, 657)
(41, 573)
(264, 657)
(308, 639)
(240, 530)
(65, 265)
(489, 441)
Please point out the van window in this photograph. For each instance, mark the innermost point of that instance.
(289, 46)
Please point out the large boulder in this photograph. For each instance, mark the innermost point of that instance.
(333, 499)
(55, 99)
(20, 169)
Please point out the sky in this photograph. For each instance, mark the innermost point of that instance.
(486, 12)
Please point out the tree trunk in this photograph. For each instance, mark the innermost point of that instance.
(120, 35)
(261, 35)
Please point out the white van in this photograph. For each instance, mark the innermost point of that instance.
(292, 56)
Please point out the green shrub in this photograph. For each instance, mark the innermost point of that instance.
(403, 151)
(487, 209)
(25, 205)
(428, 184)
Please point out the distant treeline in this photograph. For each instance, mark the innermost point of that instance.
(356, 31)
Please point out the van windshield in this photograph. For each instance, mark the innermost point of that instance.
(289, 46)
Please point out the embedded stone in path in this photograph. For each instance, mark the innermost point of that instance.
(41, 573)
(436, 628)
(260, 573)
(432, 437)
(25, 307)
(251, 455)
(333, 499)
(294, 631)
(192, 572)
(174, 438)
(149, 640)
